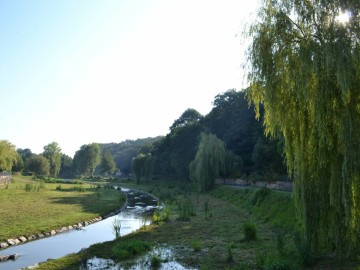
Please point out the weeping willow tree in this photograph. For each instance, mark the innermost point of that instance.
(142, 167)
(8, 156)
(209, 162)
(304, 68)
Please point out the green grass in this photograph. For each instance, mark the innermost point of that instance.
(219, 241)
(33, 207)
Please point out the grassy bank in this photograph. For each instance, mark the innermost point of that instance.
(225, 229)
(31, 207)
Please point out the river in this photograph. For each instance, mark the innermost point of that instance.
(135, 215)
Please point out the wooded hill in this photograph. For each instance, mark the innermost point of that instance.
(231, 120)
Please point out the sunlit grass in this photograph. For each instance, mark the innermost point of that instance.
(45, 207)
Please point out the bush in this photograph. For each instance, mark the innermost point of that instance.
(155, 262)
(161, 214)
(260, 195)
(28, 187)
(186, 209)
(249, 231)
(230, 256)
(196, 245)
(128, 249)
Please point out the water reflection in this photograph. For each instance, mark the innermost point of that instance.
(165, 254)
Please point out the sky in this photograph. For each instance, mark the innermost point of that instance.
(81, 71)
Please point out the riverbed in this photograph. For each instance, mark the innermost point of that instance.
(136, 214)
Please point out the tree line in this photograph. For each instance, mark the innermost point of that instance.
(52, 162)
(227, 142)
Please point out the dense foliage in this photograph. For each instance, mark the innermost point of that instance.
(233, 122)
(107, 164)
(305, 71)
(125, 151)
(209, 162)
(87, 158)
(8, 156)
(52, 152)
(38, 165)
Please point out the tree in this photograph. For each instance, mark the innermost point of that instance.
(142, 167)
(38, 164)
(52, 152)
(87, 158)
(8, 155)
(188, 117)
(67, 168)
(233, 122)
(209, 162)
(107, 163)
(19, 164)
(24, 153)
(305, 71)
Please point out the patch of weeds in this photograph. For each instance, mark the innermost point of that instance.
(260, 195)
(186, 209)
(249, 231)
(155, 262)
(270, 262)
(58, 188)
(196, 245)
(161, 214)
(166, 195)
(116, 226)
(128, 249)
(230, 256)
(28, 187)
(208, 214)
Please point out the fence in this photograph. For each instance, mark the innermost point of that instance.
(5, 177)
(278, 185)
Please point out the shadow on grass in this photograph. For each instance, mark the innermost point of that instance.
(101, 202)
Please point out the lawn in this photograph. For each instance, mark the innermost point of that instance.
(30, 207)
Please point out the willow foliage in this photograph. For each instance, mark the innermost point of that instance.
(305, 70)
(209, 162)
(8, 155)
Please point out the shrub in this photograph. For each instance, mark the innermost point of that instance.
(155, 262)
(260, 195)
(161, 214)
(186, 209)
(249, 231)
(196, 245)
(28, 187)
(129, 248)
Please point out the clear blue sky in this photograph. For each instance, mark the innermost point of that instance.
(82, 71)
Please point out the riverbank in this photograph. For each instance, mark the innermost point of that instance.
(224, 229)
(36, 209)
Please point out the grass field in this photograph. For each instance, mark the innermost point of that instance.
(31, 207)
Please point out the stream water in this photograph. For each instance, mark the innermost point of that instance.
(136, 214)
